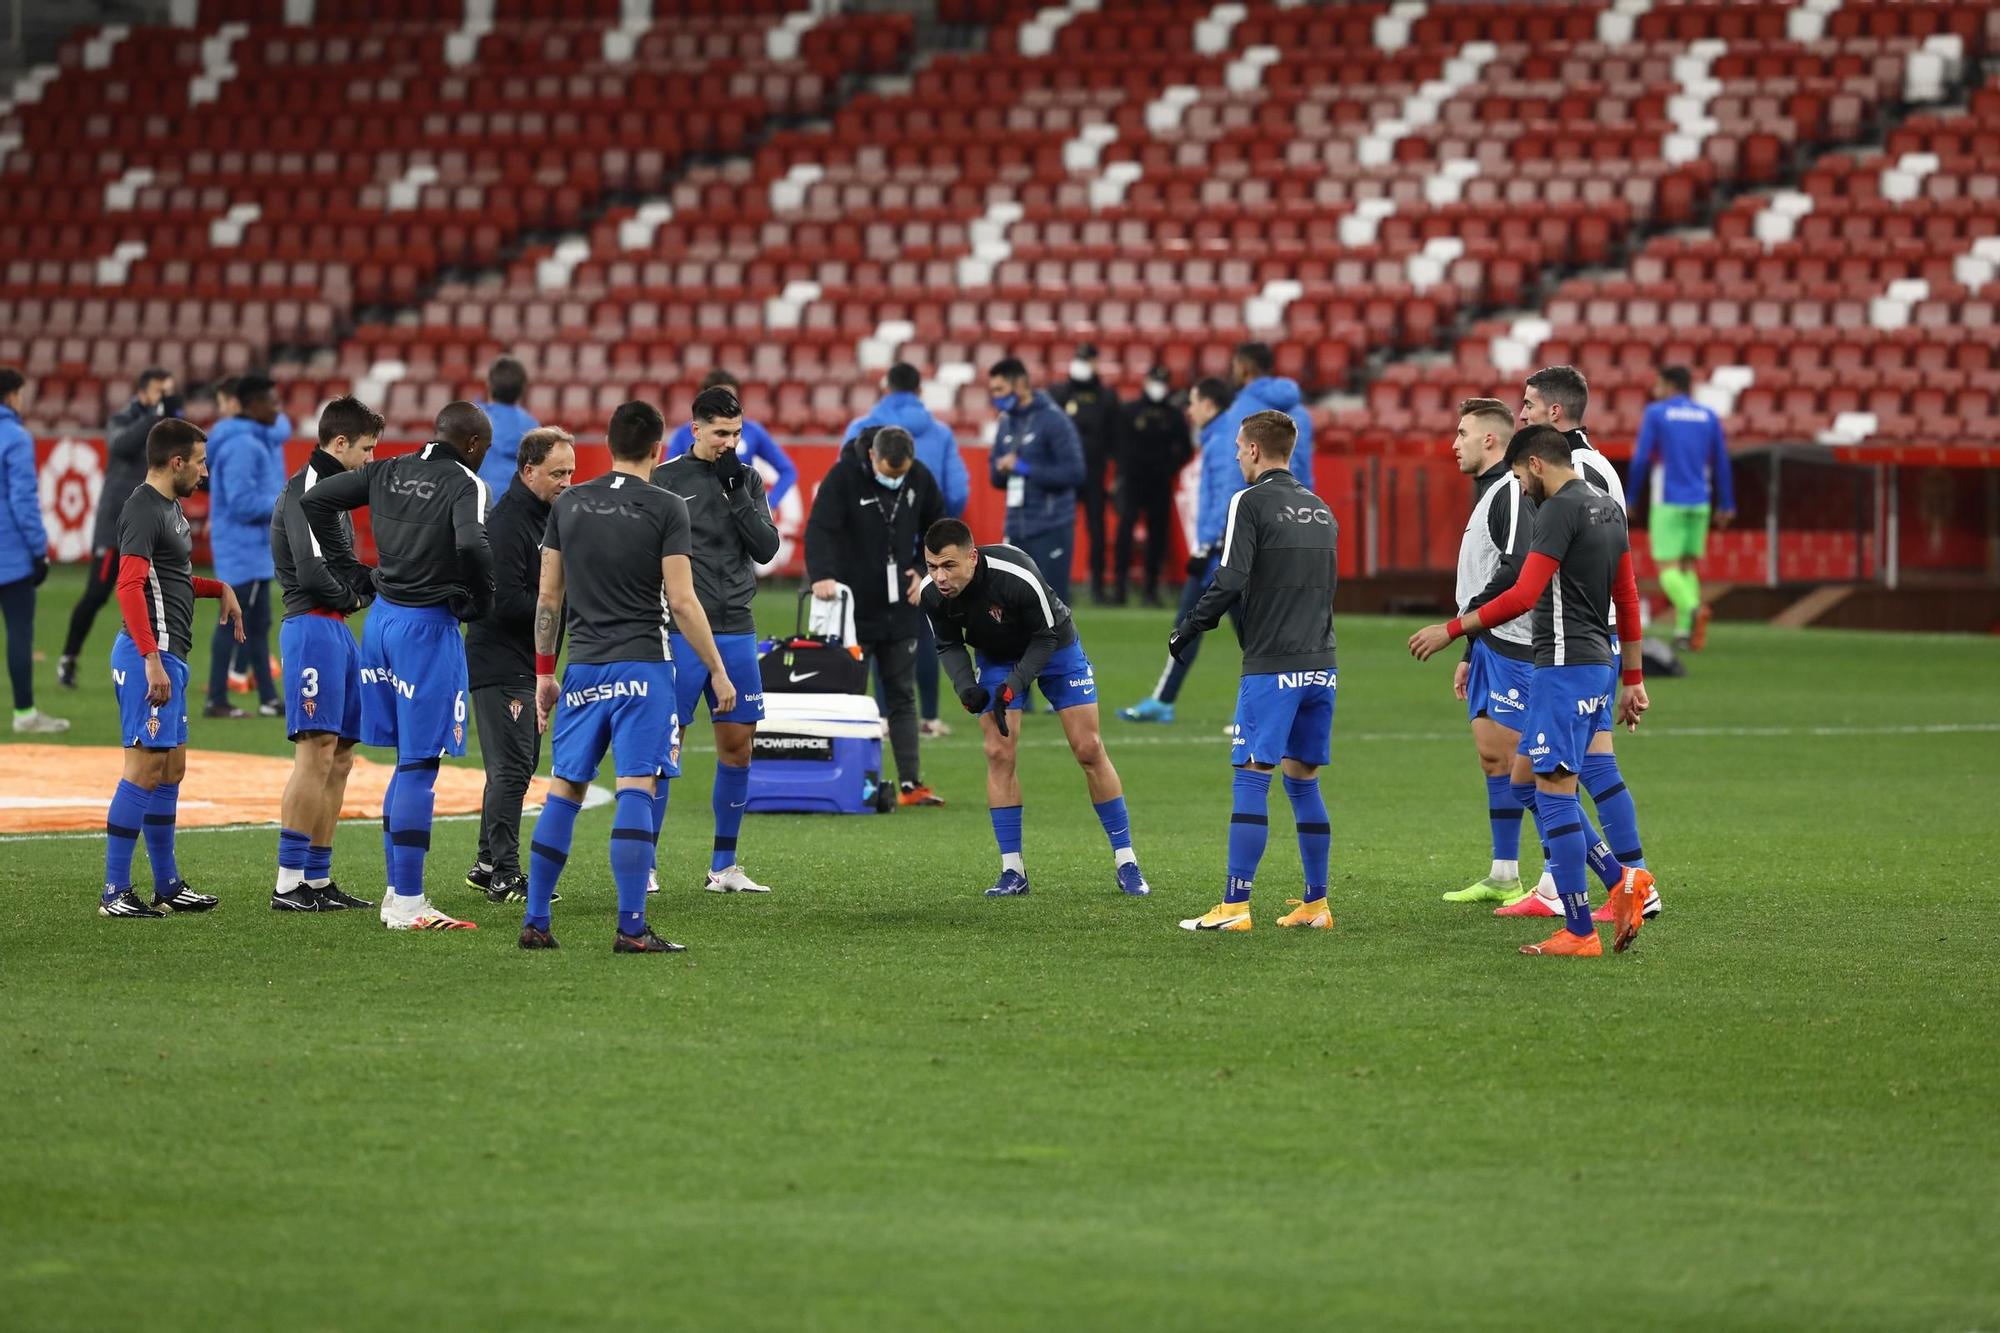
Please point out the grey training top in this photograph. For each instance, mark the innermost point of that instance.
(315, 575)
(428, 510)
(153, 528)
(1583, 530)
(612, 533)
(1279, 560)
(732, 535)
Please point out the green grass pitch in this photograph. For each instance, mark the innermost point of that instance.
(876, 1100)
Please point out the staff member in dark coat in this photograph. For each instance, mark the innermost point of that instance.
(1153, 447)
(1092, 407)
(500, 657)
(153, 397)
(866, 530)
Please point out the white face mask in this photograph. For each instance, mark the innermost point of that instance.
(892, 483)
(1080, 370)
(1156, 391)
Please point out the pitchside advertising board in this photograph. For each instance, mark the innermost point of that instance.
(1398, 512)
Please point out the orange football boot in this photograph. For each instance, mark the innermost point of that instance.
(1564, 944)
(1312, 915)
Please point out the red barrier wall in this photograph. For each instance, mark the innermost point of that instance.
(1410, 508)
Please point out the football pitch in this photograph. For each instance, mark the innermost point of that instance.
(878, 1100)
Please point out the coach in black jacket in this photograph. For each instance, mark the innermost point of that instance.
(500, 656)
(866, 530)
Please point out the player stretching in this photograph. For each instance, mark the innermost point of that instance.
(1578, 567)
(149, 671)
(994, 601)
(733, 534)
(433, 570)
(1278, 560)
(612, 545)
(1557, 396)
(322, 586)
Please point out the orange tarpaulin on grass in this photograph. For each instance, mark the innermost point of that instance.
(61, 788)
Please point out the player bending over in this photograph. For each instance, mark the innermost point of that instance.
(322, 586)
(149, 671)
(613, 545)
(1579, 565)
(993, 601)
(1279, 562)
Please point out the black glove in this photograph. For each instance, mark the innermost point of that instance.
(1001, 703)
(41, 574)
(171, 405)
(1181, 642)
(466, 607)
(729, 470)
(975, 698)
(1197, 562)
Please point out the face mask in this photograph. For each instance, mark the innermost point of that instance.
(1080, 370)
(891, 483)
(1156, 391)
(1006, 402)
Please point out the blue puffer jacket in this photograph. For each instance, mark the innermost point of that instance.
(936, 449)
(1220, 479)
(1042, 434)
(1220, 476)
(23, 539)
(510, 423)
(246, 475)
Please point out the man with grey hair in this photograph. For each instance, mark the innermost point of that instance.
(500, 653)
(866, 531)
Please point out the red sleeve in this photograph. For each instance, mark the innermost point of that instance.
(1625, 596)
(1536, 572)
(132, 572)
(208, 587)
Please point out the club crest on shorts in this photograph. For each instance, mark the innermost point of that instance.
(310, 706)
(153, 725)
(458, 733)
(514, 709)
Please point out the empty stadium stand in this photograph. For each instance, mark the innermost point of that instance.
(1410, 200)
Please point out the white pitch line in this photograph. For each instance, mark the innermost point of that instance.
(1218, 740)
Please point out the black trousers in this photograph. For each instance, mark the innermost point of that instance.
(103, 583)
(512, 749)
(896, 687)
(1092, 498)
(255, 597)
(17, 603)
(1155, 508)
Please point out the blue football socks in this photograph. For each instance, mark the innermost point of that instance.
(319, 866)
(548, 850)
(293, 848)
(1503, 812)
(1007, 828)
(1117, 823)
(1315, 833)
(1249, 827)
(1562, 825)
(161, 816)
(122, 825)
(732, 791)
(1614, 808)
(661, 788)
(410, 823)
(388, 835)
(631, 856)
